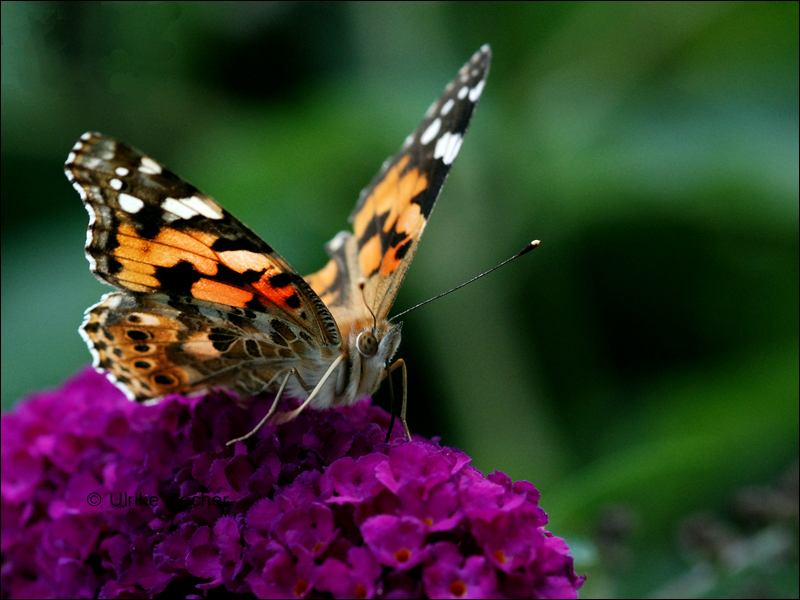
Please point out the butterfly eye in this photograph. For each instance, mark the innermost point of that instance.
(367, 344)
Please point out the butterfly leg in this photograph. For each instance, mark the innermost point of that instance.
(306, 387)
(399, 364)
(272, 408)
(285, 417)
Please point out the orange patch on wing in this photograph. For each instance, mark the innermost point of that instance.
(214, 291)
(134, 267)
(167, 249)
(410, 224)
(204, 237)
(187, 242)
(276, 295)
(324, 278)
(391, 260)
(138, 277)
(137, 287)
(393, 194)
(410, 219)
(370, 255)
(244, 260)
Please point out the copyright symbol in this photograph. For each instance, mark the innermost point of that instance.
(93, 499)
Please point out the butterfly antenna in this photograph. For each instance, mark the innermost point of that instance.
(525, 250)
(362, 283)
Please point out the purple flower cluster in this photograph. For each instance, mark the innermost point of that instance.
(102, 497)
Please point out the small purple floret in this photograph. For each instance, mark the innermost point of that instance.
(103, 497)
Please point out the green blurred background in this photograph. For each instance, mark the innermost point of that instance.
(640, 368)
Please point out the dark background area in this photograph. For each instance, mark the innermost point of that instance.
(640, 367)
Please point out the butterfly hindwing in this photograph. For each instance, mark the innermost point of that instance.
(153, 345)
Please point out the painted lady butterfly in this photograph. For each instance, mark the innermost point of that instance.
(204, 302)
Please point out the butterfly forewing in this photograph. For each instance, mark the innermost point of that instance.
(152, 232)
(392, 211)
(204, 300)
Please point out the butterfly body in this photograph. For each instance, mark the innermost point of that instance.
(203, 302)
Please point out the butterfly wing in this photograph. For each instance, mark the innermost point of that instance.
(392, 211)
(151, 345)
(152, 232)
(165, 244)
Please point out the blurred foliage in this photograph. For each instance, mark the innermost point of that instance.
(640, 368)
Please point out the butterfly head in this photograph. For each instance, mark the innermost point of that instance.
(370, 349)
(375, 348)
(371, 343)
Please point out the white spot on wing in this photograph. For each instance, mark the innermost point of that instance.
(441, 146)
(462, 93)
(113, 299)
(177, 208)
(120, 386)
(431, 132)
(452, 148)
(80, 190)
(116, 184)
(149, 166)
(92, 263)
(70, 158)
(475, 92)
(92, 162)
(448, 106)
(130, 204)
(207, 208)
(92, 219)
(92, 215)
(447, 147)
(121, 171)
(87, 135)
(148, 320)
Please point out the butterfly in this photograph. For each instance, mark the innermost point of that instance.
(203, 302)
